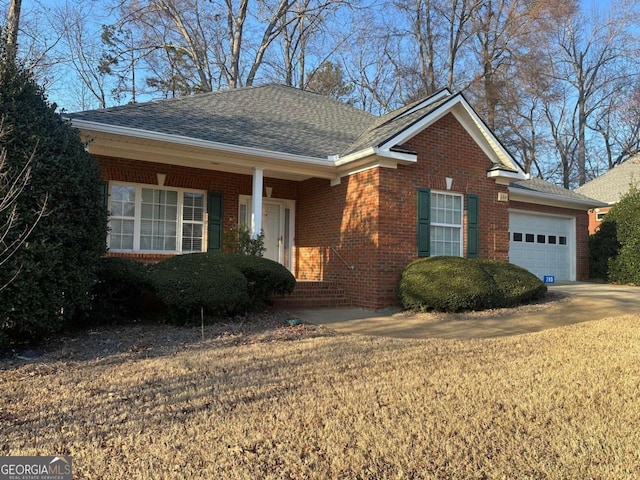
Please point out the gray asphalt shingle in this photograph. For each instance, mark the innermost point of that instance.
(611, 186)
(542, 186)
(269, 117)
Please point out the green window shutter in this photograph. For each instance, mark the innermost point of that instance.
(214, 228)
(104, 193)
(424, 222)
(473, 224)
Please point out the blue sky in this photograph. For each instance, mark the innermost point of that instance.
(58, 89)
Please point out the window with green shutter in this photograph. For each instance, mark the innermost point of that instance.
(440, 223)
(424, 214)
(473, 223)
(214, 229)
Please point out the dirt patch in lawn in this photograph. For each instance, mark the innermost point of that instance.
(147, 340)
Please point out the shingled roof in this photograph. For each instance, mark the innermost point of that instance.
(276, 121)
(536, 186)
(611, 186)
(269, 117)
(386, 126)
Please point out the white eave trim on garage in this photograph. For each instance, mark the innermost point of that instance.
(194, 142)
(549, 199)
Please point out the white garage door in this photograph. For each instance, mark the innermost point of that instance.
(543, 244)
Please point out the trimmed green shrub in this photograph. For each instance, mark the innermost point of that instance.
(56, 267)
(4, 343)
(187, 283)
(119, 292)
(222, 284)
(449, 284)
(603, 245)
(515, 284)
(264, 277)
(453, 284)
(625, 266)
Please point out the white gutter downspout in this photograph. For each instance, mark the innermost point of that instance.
(256, 203)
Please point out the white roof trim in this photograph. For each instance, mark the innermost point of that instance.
(497, 173)
(436, 97)
(472, 124)
(194, 142)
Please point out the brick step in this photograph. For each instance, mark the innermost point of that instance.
(312, 295)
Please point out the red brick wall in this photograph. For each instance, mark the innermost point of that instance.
(582, 232)
(342, 219)
(230, 185)
(594, 223)
(444, 150)
(371, 218)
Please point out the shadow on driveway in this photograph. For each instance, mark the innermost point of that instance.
(577, 302)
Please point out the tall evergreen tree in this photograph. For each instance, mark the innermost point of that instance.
(48, 278)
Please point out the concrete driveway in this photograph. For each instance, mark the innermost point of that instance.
(580, 302)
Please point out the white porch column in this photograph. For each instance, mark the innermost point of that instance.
(256, 202)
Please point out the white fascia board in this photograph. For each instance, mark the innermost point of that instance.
(501, 153)
(400, 157)
(428, 101)
(416, 128)
(510, 176)
(194, 142)
(339, 161)
(472, 124)
(373, 157)
(541, 198)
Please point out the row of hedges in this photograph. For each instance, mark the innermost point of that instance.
(453, 284)
(179, 288)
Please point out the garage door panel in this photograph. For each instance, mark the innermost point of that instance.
(550, 252)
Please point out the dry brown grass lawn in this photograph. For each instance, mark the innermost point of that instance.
(301, 402)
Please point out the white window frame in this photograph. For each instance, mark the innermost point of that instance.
(138, 212)
(433, 223)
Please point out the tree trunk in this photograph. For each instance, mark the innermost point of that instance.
(13, 22)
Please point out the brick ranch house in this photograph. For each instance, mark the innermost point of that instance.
(345, 199)
(609, 188)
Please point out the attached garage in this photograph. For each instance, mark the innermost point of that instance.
(543, 244)
(548, 230)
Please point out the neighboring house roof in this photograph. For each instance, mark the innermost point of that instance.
(611, 186)
(283, 129)
(540, 191)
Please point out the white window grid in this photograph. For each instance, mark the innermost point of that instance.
(189, 222)
(446, 230)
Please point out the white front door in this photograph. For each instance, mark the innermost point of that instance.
(277, 226)
(272, 229)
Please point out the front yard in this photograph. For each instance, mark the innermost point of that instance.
(302, 402)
